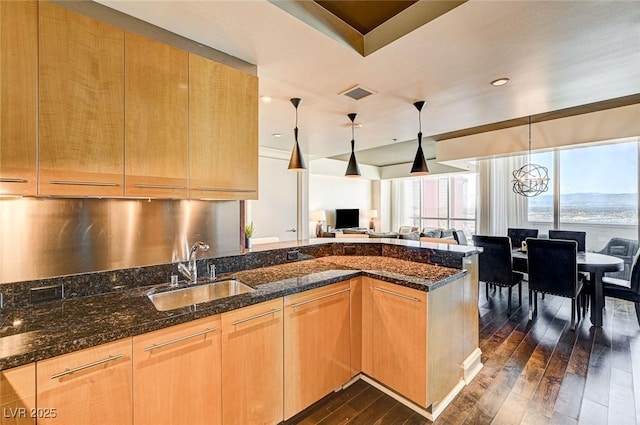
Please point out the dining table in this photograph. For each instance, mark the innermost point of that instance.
(596, 265)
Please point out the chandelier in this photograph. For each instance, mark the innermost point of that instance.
(530, 179)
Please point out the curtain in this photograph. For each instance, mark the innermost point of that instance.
(401, 203)
(498, 206)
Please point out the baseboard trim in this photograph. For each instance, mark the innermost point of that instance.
(472, 365)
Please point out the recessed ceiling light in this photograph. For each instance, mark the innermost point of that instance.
(500, 82)
(277, 135)
(266, 99)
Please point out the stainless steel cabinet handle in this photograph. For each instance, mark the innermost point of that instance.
(319, 298)
(397, 295)
(275, 310)
(87, 366)
(81, 183)
(157, 186)
(219, 189)
(11, 180)
(173, 341)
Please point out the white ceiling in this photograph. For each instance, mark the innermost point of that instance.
(558, 54)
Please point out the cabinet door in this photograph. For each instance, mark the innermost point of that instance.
(18, 85)
(18, 396)
(81, 104)
(223, 131)
(356, 325)
(317, 345)
(176, 374)
(156, 104)
(252, 364)
(399, 339)
(91, 386)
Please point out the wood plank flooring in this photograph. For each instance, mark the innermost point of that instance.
(535, 372)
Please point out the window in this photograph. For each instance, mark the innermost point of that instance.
(598, 192)
(444, 202)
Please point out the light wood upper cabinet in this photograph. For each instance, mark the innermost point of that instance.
(18, 395)
(223, 131)
(177, 374)
(91, 386)
(81, 104)
(398, 338)
(317, 345)
(18, 86)
(252, 364)
(156, 104)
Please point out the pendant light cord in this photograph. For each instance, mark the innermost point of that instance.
(529, 139)
(353, 137)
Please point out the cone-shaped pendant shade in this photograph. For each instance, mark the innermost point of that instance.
(420, 165)
(296, 163)
(353, 170)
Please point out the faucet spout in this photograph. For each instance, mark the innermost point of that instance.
(190, 271)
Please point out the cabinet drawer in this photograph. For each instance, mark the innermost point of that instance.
(88, 386)
(176, 374)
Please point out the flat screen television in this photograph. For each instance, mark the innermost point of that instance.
(346, 218)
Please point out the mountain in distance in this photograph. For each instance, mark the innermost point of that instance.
(592, 200)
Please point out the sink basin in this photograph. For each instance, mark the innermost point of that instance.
(178, 298)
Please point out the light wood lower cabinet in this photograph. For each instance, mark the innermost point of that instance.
(317, 345)
(252, 364)
(18, 396)
(18, 89)
(395, 345)
(177, 374)
(91, 386)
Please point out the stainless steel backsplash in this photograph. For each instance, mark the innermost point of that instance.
(41, 238)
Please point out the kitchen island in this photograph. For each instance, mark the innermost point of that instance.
(371, 284)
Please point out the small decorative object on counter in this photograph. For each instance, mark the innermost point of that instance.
(248, 233)
(524, 246)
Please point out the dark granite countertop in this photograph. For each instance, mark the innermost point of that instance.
(38, 332)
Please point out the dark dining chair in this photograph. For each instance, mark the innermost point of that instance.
(517, 236)
(624, 249)
(495, 265)
(625, 289)
(553, 269)
(570, 235)
(460, 237)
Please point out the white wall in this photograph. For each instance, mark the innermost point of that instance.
(275, 210)
(330, 192)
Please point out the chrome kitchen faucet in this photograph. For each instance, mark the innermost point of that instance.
(190, 272)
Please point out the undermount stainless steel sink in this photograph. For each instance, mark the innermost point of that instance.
(178, 298)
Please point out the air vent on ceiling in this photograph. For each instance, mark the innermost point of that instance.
(357, 92)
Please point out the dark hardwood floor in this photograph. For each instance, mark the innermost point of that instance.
(535, 372)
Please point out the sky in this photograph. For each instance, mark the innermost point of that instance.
(611, 168)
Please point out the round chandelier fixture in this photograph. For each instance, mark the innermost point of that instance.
(531, 179)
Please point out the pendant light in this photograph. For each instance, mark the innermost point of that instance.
(530, 179)
(296, 163)
(353, 170)
(420, 166)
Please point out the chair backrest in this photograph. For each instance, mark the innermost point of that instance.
(635, 274)
(553, 266)
(518, 235)
(495, 263)
(460, 237)
(570, 235)
(620, 247)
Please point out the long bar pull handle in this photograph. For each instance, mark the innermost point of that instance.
(173, 341)
(82, 183)
(237, 322)
(87, 366)
(319, 298)
(220, 189)
(11, 180)
(397, 294)
(157, 186)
